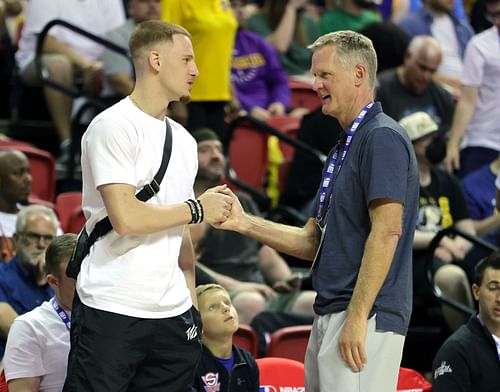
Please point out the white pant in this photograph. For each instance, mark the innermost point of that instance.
(326, 371)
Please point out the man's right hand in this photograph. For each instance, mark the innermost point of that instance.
(217, 203)
(452, 159)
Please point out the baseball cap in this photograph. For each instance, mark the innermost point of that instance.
(419, 125)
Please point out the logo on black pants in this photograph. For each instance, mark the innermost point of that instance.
(192, 332)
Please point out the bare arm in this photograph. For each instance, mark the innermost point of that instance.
(7, 316)
(130, 216)
(122, 83)
(272, 265)
(386, 217)
(463, 114)
(282, 36)
(486, 225)
(30, 384)
(301, 242)
(187, 263)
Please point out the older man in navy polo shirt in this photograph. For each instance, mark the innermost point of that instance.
(23, 285)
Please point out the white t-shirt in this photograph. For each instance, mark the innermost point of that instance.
(482, 69)
(7, 224)
(137, 275)
(38, 346)
(96, 16)
(443, 30)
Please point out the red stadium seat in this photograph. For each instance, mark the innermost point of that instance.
(246, 338)
(289, 342)
(66, 202)
(412, 381)
(3, 383)
(76, 220)
(280, 374)
(303, 95)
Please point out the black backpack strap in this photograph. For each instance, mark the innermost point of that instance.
(104, 226)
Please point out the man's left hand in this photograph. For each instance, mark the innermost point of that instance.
(352, 343)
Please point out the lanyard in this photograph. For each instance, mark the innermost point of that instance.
(61, 313)
(328, 177)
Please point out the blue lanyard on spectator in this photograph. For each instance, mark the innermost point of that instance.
(61, 313)
(328, 177)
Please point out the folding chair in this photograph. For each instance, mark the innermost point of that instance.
(43, 169)
(280, 374)
(66, 202)
(289, 342)
(412, 381)
(246, 338)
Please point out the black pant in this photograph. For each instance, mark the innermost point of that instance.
(115, 353)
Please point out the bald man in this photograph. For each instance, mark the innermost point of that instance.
(410, 87)
(15, 186)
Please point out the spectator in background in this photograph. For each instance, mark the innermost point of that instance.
(252, 272)
(213, 28)
(289, 29)
(259, 81)
(348, 15)
(410, 88)
(118, 70)
(436, 18)
(36, 354)
(441, 204)
(468, 360)
(475, 133)
(15, 186)
(223, 367)
(67, 56)
(23, 285)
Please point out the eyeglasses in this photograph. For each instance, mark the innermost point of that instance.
(492, 17)
(36, 237)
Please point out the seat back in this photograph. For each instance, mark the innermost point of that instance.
(289, 342)
(246, 338)
(66, 202)
(412, 381)
(280, 374)
(76, 220)
(43, 169)
(303, 96)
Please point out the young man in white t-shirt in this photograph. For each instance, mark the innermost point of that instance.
(136, 328)
(38, 342)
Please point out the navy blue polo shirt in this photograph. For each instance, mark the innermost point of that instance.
(380, 164)
(18, 288)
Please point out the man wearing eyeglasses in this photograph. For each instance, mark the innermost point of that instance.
(23, 284)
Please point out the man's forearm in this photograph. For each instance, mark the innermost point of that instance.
(7, 316)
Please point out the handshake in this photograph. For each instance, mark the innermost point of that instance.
(221, 207)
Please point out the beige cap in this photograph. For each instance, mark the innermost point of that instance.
(418, 125)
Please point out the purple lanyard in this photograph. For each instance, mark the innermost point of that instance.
(61, 313)
(328, 177)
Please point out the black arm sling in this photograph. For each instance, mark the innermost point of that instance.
(101, 228)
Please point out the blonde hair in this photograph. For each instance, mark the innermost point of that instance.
(351, 48)
(152, 32)
(203, 288)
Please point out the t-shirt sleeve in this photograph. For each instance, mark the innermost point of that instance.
(474, 62)
(114, 62)
(111, 152)
(23, 352)
(385, 165)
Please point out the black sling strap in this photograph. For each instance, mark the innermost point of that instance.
(147, 192)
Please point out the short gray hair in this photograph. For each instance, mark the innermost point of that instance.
(351, 48)
(34, 209)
